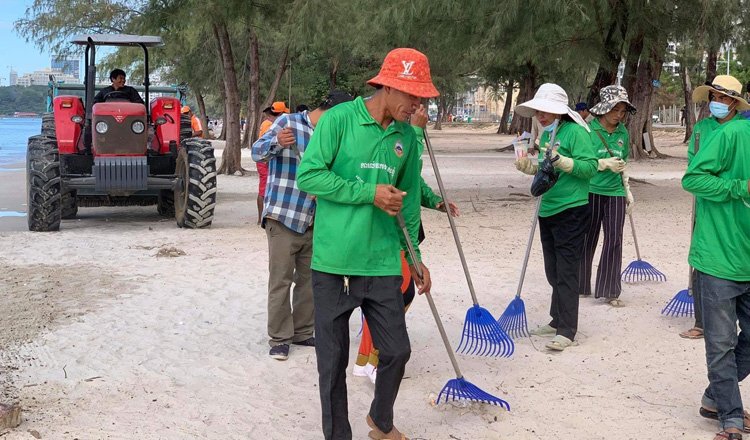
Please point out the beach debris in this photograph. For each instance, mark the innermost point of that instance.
(10, 416)
(171, 252)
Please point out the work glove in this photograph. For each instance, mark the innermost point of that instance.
(561, 162)
(615, 164)
(526, 166)
(629, 201)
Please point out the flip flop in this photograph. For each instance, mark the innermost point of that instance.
(686, 335)
(729, 435)
(713, 415)
(377, 434)
(616, 302)
(560, 343)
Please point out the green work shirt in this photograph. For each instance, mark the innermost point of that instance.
(571, 189)
(429, 198)
(348, 156)
(607, 182)
(718, 177)
(706, 128)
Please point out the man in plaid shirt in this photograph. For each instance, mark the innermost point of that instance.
(287, 218)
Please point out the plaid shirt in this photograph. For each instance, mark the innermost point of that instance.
(284, 202)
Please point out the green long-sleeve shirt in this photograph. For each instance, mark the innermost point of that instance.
(571, 189)
(706, 128)
(718, 176)
(607, 182)
(349, 154)
(429, 198)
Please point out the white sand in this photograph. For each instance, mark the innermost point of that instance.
(175, 348)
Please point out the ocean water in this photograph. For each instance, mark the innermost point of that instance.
(14, 133)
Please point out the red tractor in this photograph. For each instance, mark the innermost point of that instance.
(116, 152)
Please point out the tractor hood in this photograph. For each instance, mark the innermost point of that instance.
(119, 110)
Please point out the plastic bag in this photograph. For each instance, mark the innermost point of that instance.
(545, 177)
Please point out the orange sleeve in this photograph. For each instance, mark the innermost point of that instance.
(196, 124)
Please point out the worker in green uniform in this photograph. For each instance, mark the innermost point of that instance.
(362, 163)
(705, 129)
(719, 177)
(564, 214)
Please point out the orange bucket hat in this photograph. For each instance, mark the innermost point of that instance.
(408, 71)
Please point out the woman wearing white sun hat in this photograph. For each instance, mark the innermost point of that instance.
(564, 213)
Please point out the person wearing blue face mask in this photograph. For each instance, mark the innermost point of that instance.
(725, 102)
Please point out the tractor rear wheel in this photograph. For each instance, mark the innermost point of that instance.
(48, 125)
(69, 202)
(44, 184)
(186, 128)
(195, 194)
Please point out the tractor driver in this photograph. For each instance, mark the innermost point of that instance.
(118, 90)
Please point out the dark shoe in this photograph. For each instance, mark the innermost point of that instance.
(280, 352)
(309, 342)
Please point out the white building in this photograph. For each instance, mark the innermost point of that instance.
(670, 65)
(13, 77)
(41, 77)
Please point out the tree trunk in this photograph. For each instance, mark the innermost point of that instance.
(687, 90)
(503, 128)
(607, 73)
(202, 109)
(272, 91)
(710, 75)
(631, 63)
(231, 159)
(528, 87)
(332, 75)
(649, 69)
(441, 113)
(223, 135)
(253, 95)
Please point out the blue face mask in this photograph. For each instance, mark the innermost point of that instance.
(551, 126)
(718, 109)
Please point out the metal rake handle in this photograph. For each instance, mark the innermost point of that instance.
(444, 195)
(528, 247)
(296, 151)
(435, 314)
(635, 239)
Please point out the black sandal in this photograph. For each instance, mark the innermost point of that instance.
(713, 415)
(730, 435)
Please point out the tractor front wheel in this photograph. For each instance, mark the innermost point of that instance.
(44, 184)
(195, 194)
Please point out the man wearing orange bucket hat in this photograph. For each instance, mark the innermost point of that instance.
(362, 163)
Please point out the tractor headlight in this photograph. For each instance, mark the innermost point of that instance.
(77, 119)
(101, 127)
(138, 127)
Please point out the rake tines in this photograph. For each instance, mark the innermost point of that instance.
(681, 305)
(640, 270)
(513, 320)
(461, 389)
(483, 336)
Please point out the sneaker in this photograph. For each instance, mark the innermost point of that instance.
(280, 352)
(309, 342)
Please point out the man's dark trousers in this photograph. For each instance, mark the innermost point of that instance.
(383, 305)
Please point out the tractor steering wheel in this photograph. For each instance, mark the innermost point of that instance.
(116, 95)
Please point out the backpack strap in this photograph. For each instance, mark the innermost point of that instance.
(604, 143)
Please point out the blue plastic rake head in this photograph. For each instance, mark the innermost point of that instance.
(483, 336)
(640, 270)
(514, 321)
(461, 389)
(681, 305)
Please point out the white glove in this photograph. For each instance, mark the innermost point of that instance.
(526, 166)
(629, 201)
(561, 162)
(615, 164)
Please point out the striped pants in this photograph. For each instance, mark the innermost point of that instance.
(609, 212)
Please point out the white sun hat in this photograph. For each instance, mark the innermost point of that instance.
(550, 98)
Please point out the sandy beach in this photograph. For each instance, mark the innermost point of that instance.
(104, 335)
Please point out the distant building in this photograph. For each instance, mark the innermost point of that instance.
(70, 65)
(13, 77)
(670, 63)
(41, 78)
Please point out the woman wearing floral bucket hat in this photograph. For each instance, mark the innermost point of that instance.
(718, 175)
(564, 211)
(725, 102)
(362, 163)
(609, 195)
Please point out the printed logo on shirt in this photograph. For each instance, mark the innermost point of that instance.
(620, 142)
(378, 166)
(557, 145)
(399, 148)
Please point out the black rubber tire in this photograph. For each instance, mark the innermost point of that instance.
(48, 125)
(69, 205)
(43, 184)
(195, 196)
(165, 205)
(186, 128)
